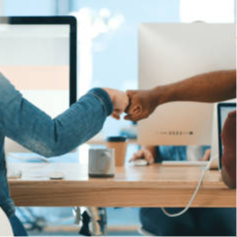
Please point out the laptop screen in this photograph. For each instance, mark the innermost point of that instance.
(223, 110)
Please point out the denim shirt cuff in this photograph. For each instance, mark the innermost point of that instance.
(104, 98)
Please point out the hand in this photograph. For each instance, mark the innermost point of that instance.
(143, 154)
(206, 156)
(142, 104)
(120, 101)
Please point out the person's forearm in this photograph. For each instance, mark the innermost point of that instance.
(36, 131)
(29, 126)
(209, 87)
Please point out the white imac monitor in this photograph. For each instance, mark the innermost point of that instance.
(38, 56)
(172, 52)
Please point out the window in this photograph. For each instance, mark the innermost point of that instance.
(29, 7)
(108, 34)
(214, 11)
(108, 42)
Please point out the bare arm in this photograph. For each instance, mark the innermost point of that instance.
(209, 87)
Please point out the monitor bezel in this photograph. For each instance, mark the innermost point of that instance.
(219, 107)
(55, 20)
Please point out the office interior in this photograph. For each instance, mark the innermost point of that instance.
(111, 34)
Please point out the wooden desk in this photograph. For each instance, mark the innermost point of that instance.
(153, 186)
(103, 142)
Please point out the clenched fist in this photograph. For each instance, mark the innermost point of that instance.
(142, 104)
(120, 101)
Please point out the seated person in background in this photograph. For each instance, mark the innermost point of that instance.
(196, 221)
(29, 126)
(210, 87)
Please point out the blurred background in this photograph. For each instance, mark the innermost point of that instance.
(108, 57)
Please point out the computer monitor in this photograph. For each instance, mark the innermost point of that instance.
(172, 52)
(38, 56)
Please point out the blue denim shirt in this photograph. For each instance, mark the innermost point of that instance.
(29, 126)
(174, 153)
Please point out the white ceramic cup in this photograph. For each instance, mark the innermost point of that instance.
(101, 163)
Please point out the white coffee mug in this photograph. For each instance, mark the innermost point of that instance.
(101, 163)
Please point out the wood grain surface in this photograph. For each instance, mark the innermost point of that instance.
(151, 186)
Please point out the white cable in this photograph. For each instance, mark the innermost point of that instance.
(195, 192)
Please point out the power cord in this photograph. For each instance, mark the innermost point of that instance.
(195, 192)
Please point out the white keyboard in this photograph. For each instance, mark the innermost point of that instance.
(184, 163)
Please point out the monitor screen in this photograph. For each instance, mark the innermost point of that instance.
(38, 56)
(223, 110)
(35, 58)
